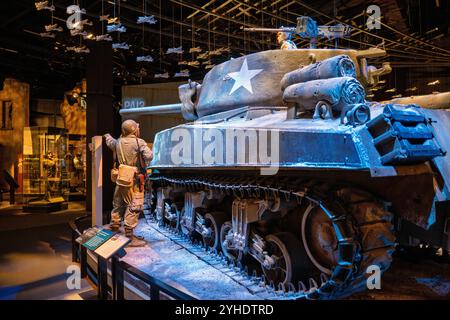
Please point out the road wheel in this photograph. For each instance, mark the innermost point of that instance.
(213, 223)
(285, 266)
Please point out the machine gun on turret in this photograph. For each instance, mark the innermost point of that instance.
(307, 28)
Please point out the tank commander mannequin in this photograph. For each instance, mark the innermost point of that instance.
(133, 156)
(284, 40)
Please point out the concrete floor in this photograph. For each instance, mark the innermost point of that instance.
(35, 251)
(12, 217)
(408, 279)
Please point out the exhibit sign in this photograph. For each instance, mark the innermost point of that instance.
(130, 103)
(95, 237)
(113, 245)
(103, 242)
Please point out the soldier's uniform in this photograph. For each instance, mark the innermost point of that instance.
(127, 201)
(288, 45)
(285, 42)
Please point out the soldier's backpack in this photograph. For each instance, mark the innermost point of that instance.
(125, 174)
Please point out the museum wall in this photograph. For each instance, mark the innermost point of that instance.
(14, 116)
(152, 95)
(46, 113)
(74, 115)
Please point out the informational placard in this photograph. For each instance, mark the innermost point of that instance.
(130, 103)
(103, 242)
(97, 238)
(111, 246)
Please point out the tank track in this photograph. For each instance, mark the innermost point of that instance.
(254, 283)
(361, 223)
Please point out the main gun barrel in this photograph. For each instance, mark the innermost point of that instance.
(287, 29)
(161, 109)
(439, 100)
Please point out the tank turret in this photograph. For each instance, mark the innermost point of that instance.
(255, 79)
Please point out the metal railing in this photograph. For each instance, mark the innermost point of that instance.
(156, 286)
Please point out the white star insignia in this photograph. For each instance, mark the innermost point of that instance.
(242, 78)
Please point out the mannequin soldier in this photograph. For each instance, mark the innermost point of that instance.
(130, 151)
(284, 40)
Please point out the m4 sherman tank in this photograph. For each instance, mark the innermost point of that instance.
(287, 169)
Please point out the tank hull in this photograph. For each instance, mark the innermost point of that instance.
(301, 144)
(304, 148)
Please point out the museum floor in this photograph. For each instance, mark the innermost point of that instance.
(35, 251)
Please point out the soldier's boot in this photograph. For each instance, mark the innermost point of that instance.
(135, 241)
(115, 223)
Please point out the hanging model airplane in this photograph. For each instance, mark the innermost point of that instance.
(144, 59)
(122, 45)
(43, 5)
(78, 32)
(81, 49)
(103, 37)
(146, 19)
(116, 28)
(162, 75)
(433, 83)
(195, 50)
(53, 27)
(182, 74)
(177, 50)
(47, 35)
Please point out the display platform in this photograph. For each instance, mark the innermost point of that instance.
(45, 207)
(172, 259)
(76, 196)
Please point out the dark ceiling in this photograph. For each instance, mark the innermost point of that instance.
(415, 34)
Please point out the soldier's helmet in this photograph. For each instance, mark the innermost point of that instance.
(129, 127)
(283, 36)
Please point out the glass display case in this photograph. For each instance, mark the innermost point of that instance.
(45, 179)
(76, 167)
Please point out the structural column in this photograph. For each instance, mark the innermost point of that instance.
(101, 116)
